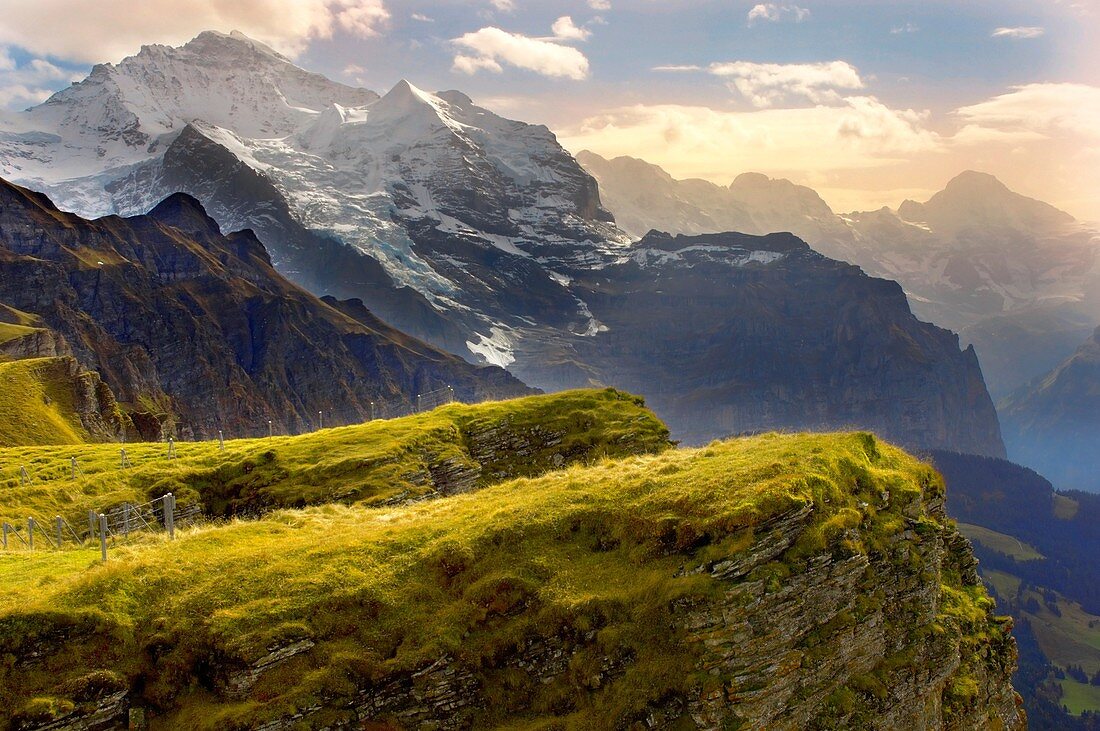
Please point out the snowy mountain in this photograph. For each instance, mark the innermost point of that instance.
(483, 236)
(1016, 276)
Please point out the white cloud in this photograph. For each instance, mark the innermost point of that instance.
(473, 64)
(504, 6)
(30, 83)
(488, 48)
(566, 30)
(767, 84)
(873, 126)
(1047, 109)
(693, 141)
(678, 68)
(107, 31)
(777, 13)
(361, 18)
(1028, 31)
(422, 18)
(906, 27)
(599, 4)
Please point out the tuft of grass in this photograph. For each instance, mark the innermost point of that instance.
(597, 553)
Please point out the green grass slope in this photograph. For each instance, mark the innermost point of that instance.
(451, 449)
(604, 550)
(1009, 546)
(36, 402)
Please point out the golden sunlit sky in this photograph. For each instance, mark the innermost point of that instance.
(867, 101)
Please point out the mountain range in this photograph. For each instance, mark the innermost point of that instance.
(196, 332)
(485, 238)
(1015, 276)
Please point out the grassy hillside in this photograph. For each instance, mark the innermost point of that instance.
(36, 401)
(450, 449)
(1009, 546)
(606, 552)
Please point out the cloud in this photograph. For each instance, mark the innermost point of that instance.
(1028, 31)
(422, 18)
(565, 29)
(694, 141)
(1047, 109)
(94, 32)
(872, 125)
(599, 4)
(776, 13)
(767, 84)
(678, 68)
(488, 48)
(906, 27)
(30, 83)
(504, 6)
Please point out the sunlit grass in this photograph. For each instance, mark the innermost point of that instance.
(598, 547)
(372, 462)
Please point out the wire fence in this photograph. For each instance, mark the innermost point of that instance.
(119, 522)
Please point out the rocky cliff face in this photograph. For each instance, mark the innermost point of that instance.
(53, 400)
(1053, 424)
(181, 320)
(731, 333)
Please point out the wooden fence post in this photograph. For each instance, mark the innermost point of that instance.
(170, 515)
(5, 536)
(30, 532)
(59, 522)
(103, 537)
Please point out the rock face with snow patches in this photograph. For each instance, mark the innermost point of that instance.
(485, 237)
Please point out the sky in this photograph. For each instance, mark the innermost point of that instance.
(867, 101)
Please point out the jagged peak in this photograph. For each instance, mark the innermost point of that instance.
(406, 96)
(186, 213)
(977, 198)
(234, 41)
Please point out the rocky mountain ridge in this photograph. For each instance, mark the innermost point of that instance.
(186, 323)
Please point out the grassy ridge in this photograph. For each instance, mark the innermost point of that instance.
(1001, 542)
(385, 590)
(36, 402)
(378, 461)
